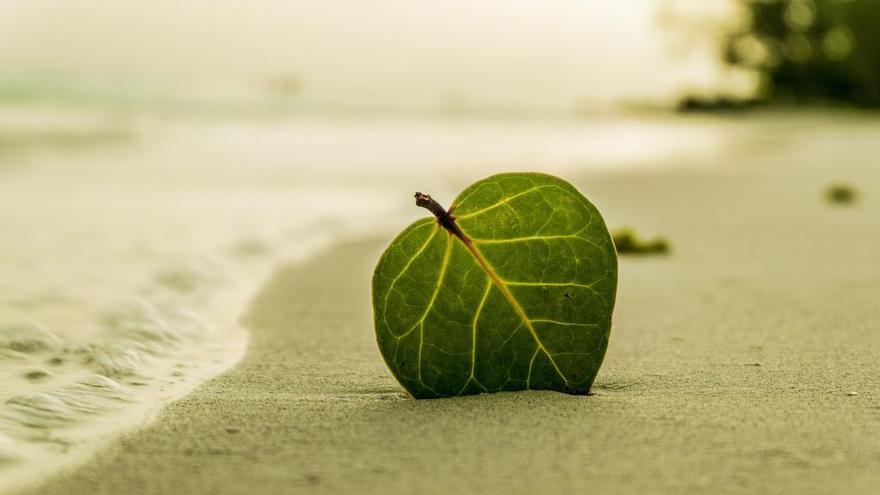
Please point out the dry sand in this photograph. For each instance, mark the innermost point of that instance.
(746, 361)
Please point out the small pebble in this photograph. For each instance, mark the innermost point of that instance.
(852, 393)
(36, 375)
(841, 194)
(232, 430)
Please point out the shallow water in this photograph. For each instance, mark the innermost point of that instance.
(127, 263)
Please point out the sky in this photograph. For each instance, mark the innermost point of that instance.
(419, 53)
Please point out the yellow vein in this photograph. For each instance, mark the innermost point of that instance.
(504, 201)
(443, 266)
(547, 284)
(565, 323)
(406, 267)
(446, 256)
(416, 255)
(531, 364)
(589, 287)
(514, 303)
(474, 334)
(528, 238)
(536, 237)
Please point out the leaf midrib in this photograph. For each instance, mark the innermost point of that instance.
(505, 291)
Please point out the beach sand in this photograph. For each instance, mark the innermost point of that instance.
(745, 361)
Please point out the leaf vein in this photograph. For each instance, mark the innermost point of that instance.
(528, 238)
(404, 270)
(504, 201)
(565, 323)
(474, 335)
(446, 256)
(500, 283)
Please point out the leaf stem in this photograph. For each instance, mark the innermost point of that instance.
(444, 217)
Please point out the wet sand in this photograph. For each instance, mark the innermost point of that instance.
(745, 361)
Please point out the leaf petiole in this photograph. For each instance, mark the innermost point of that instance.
(444, 218)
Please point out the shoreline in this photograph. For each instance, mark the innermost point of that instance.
(57, 425)
(731, 368)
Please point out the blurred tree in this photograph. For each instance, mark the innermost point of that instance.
(811, 49)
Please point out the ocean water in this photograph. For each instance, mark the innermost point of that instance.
(130, 246)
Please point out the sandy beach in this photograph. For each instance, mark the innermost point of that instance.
(745, 361)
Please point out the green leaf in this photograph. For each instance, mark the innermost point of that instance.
(521, 298)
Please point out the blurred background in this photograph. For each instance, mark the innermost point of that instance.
(457, 58)
(155, 156)
(166, 127)
(518, 58)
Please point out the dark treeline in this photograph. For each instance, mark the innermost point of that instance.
(811, 49)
